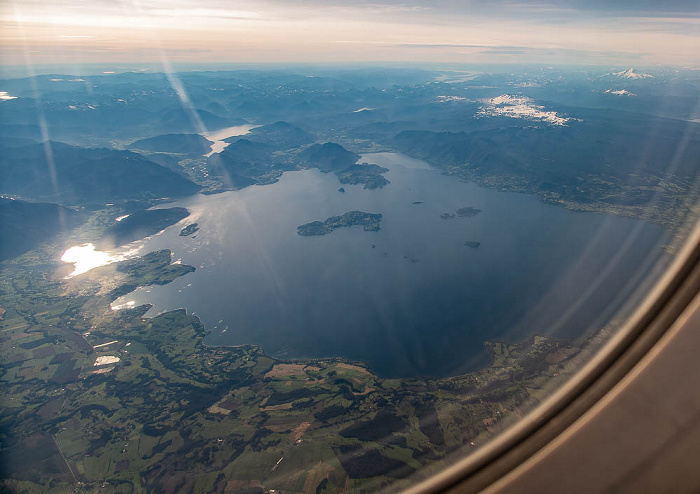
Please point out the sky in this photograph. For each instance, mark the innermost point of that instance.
(616, 33)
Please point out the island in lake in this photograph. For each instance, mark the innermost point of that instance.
(472, 244)
(368, 221)
(369, 175)
(462, 213)
(189, 230)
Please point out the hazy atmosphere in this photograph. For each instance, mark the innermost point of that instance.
(149, 33)
(325, 246)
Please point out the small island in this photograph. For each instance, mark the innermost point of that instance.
(471, 244)
(369, 175)
(467, 212)
(189, 230)
(462, 213)
(368, 221)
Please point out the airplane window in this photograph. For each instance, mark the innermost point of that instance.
(301, 246)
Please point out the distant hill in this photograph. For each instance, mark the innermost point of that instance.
(177, 118)
(328, 157)
(15, 142)
(174, 143)
(616, 159)
(125, 106)
(13, 132)
(75, 175)
(243, 157)
(25, 225)
(244, 162)
(141, 224)
(247, 150)
(282, 135)
(167, 160)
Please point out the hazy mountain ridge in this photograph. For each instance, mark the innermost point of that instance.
(614, 155)
(174, 143)
(246, 162)
(141, 224)
(299, 113)
(86, 175)
(327, 157)
(25, 225)
(627, 164)
(282, 135)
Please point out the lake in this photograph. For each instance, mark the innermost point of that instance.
(411, 299)
(218, 136)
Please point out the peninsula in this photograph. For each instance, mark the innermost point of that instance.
(141, 224)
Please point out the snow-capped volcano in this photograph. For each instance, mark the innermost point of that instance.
(619, 92)
(631, 74)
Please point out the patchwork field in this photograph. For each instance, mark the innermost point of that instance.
(96, 398)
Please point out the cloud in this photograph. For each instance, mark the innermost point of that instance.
(508, 8)
(601, 8)
(208, 13)
(522, 50)
(672, 25)
(464, 31)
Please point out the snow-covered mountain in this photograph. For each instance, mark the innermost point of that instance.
(631, 74)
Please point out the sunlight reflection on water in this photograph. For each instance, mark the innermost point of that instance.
(85, 257)
(219, 136)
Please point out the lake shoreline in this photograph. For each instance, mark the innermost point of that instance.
(414, 245)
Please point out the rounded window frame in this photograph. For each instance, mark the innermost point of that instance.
(654, 316)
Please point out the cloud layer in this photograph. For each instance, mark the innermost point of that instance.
(606, 32)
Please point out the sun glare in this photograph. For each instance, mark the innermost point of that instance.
(85, 257)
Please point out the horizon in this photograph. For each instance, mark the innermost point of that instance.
(8, 72)
(158, 33)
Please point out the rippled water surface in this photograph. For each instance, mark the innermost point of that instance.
(411, 299)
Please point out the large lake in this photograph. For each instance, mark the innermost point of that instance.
(408, 300)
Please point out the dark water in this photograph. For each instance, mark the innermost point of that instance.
(408, 300)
